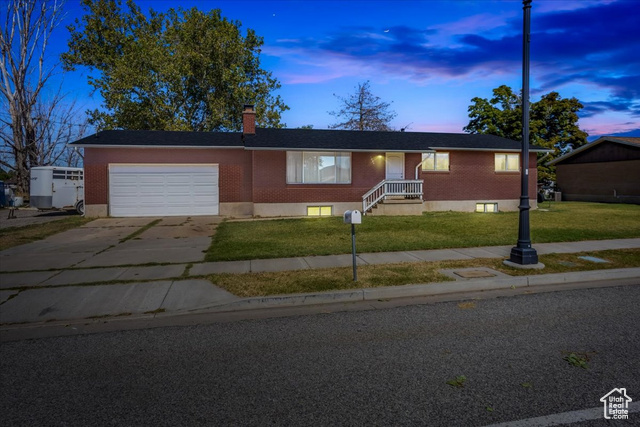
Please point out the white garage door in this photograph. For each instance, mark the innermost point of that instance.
(163, 190)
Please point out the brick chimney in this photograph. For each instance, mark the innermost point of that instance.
(248, 120)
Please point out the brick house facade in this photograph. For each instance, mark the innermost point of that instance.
(251, 171)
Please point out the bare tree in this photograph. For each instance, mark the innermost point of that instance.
(363, 111)
(38, 125)
(55, 124)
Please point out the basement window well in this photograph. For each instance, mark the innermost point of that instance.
(319, 211)
(486, 207)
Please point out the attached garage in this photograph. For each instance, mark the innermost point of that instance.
(163, 190)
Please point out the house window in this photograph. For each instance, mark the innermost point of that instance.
(486, 207)
(318, 167)
(435, 161)
(507, 162)
(319, 211)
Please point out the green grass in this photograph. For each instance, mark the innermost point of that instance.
(327, 279)
(371, 276)
(562, 222)
(14, 236)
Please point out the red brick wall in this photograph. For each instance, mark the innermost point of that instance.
(235, 168)
(472, 176)
(411, 160)
(270, 180)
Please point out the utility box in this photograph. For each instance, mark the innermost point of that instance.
(55, 187)
(352, 217)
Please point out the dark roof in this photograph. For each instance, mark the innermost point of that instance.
(157, 138)
(630, 141)
(316, 139)
(305, 139)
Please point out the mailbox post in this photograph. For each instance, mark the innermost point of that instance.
(353, 217)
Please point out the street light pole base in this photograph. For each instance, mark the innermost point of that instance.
(538, 266)
(523, 256)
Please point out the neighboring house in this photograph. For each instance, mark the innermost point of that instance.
(299, 172)
(605, 170)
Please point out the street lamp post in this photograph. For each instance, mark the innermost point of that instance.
(523, 253)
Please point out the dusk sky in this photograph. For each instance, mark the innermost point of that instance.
(430, 58)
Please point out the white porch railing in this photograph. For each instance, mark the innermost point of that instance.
(407, 188)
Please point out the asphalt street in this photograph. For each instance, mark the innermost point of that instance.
(380, 367)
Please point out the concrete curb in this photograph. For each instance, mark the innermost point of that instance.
(420, 290)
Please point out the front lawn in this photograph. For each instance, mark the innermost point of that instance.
(555, 222)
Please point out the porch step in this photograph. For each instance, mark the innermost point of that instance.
(400, 200)
(398, 207)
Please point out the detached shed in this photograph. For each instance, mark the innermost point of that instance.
(606, 170)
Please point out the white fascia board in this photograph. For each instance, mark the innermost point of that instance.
(495, 150)
(345, 150)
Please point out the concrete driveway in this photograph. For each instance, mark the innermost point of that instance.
(113, 241)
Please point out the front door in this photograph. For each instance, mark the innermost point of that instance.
(395, 165)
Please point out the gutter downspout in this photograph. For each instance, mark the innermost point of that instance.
(543, 157)
(420, 164)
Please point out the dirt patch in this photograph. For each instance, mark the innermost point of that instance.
(178, 231)
(31, 216)
(120, 222)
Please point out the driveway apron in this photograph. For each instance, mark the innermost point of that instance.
(62, 250)
(107, 242)
(173, 240)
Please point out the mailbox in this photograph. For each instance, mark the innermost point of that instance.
(352, 217)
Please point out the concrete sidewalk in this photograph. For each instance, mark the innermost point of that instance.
(314, 262)
(81, 293)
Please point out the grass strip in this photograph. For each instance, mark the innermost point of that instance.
(15, 236)
(114, 282)
(140, 230)
(371, 276)
(95, 267)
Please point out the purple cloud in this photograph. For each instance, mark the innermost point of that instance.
(594, 45)
(597, 107)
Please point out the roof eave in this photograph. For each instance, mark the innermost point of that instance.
(190, 147)
(396, 150)
(349, 150)
(589, 146)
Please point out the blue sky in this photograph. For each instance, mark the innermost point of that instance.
(429, 58)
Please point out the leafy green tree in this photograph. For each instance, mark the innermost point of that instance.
(179, 70)
(553, 123)
(363, 111)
